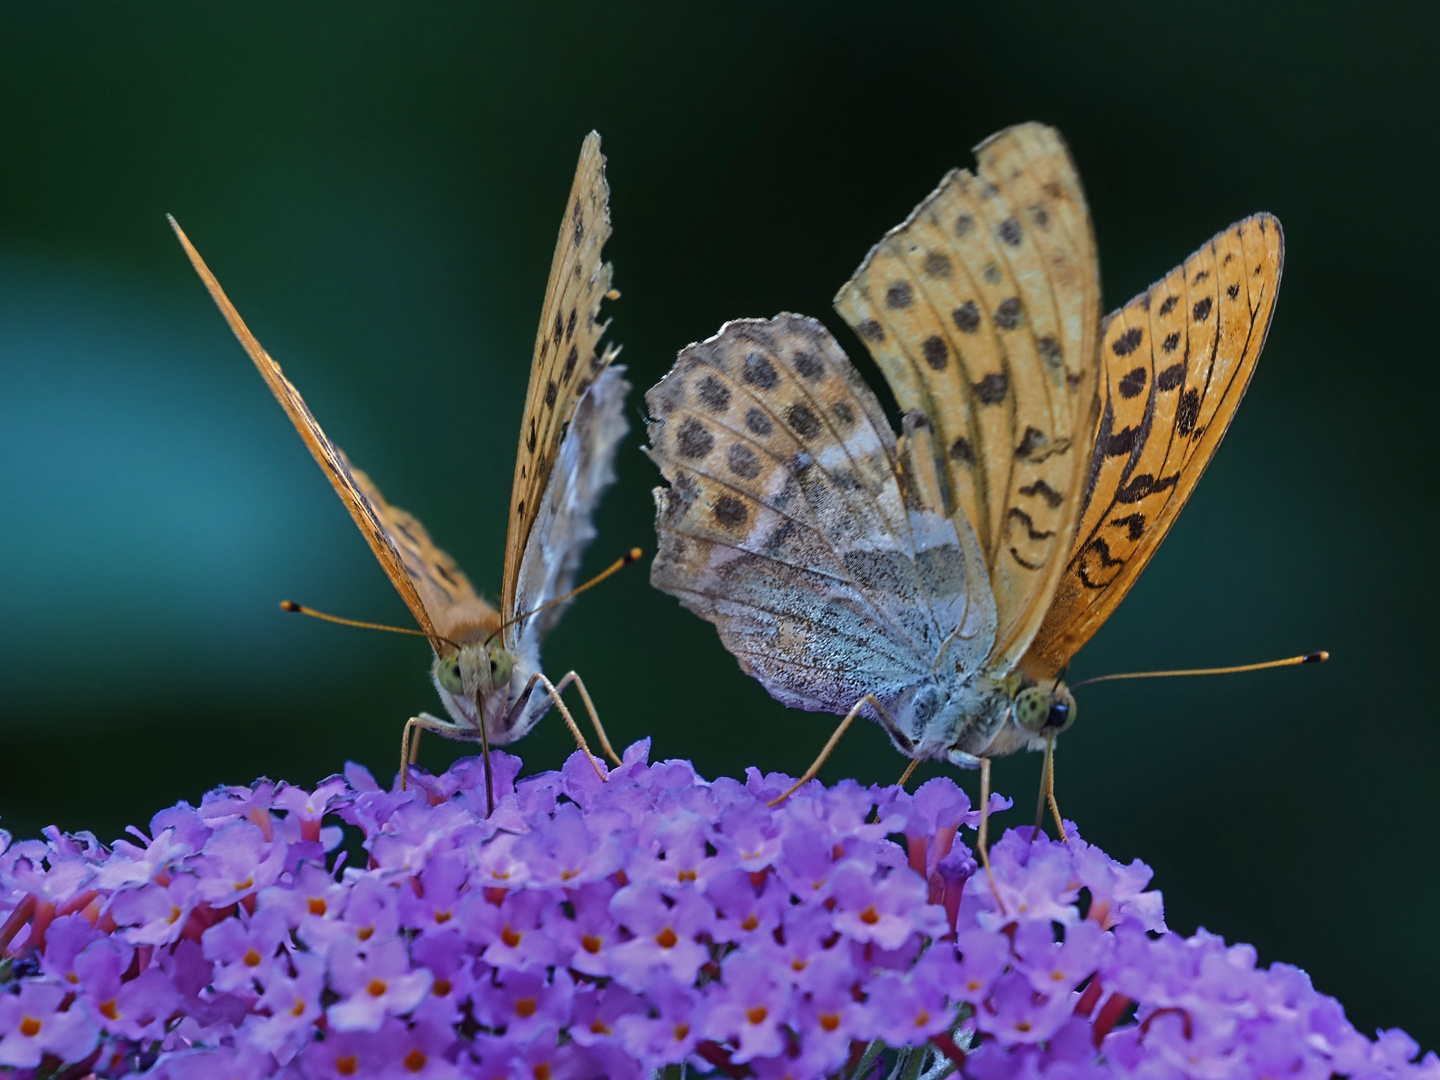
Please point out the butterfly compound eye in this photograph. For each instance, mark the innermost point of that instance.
(447, 671)
(501, 665)
(1044, 711)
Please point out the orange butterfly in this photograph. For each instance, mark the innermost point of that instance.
(487, 662)
(941, 582)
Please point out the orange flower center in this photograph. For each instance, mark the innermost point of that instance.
(251, 958)
(541, 1071)
(590, 943)
(525, 1007)
(317, 905)
(750, 922)
(29, 1027)
(298, 1009)
(870, 916)
(681, 1030)
(599, 1027)
(442, 987)
(829, 1021)
(348, 1065)
(365, 933)
(686, 875)
(442, 917)
(415, 1060)
(377, 988)
(666, 938)
(109, 1011)
(757, 1014)
(510, 937)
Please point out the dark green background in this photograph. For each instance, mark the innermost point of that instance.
(379, 186)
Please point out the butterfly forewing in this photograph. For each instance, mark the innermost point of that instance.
(786, 526)
(1177, 360)
(566, 361)
(438, 596)
(981, 310)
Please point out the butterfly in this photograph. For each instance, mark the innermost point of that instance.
(487, 662)
(940, 582)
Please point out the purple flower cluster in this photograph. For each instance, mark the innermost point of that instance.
(621, 928)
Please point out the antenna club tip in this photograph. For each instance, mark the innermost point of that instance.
(289, 605)
(632, 555)
(1315, 657)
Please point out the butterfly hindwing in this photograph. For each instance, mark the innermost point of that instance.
(981, 310)
(1177, 360)
(566, 360)
(787, 527)
(437, 594)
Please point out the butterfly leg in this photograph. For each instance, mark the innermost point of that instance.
(605, 747)
(814, 770)
(981, 841)
(909, 772)
(554, 694)
(410, 739)
(1049, 788)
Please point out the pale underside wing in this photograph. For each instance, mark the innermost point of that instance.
(437, 594)
(566, 361)
(982, 311)
(786, 524)
(564, 527)
(1177, 360)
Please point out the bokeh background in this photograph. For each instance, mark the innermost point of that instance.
(379, 185)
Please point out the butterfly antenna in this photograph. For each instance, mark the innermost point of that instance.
(629, 557)
(301, 609)
(1290, 661)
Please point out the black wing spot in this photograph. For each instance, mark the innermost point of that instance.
(1007, 315)
(730, 512)
(991, 273)
(1133, 523)
(804, 422)
(1202, 308)
(743, 461)
(559, 330)
(713, 394)
(1128, 342)
(759, 372)
(899, 295)
(1101, 550)
(758, 422)
(1141, 486)
(991, 390)
(1188, 412)
(963, 224)
(571, 359)
(937, 264)
(1033, 440)
(937, 353)
(1171, 342)
(693, 440)
(871, 330)
(1016, 514)
(550, 389)
(1169, 305)
(962, 451)
(1050, 352)
(1040, 216)
(1132, 383)
(1009, 231)
(843, 414)
(1040, 488)
(809, 365)
(1201, 276)
(1171, 377)
(1234, 290)
(967, 317)
(1120, 442)
(570, 325)
(530, 442)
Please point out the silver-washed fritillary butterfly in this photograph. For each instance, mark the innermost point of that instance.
(487, 662)
(940, 582)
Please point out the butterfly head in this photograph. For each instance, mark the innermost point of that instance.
(474, 671)
(1045, 708)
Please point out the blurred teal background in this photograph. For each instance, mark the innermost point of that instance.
(378, 186)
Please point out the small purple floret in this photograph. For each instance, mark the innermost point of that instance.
(613, 928)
